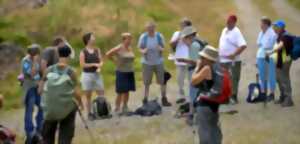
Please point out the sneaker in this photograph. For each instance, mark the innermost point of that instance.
(287, 103)
(165, 102)
(181, 100)
(270, 97)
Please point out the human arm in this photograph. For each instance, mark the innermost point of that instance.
(111, 53)
(77, 92)
(200, 75)
(276, 48)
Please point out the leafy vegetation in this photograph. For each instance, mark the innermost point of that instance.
(107, 19)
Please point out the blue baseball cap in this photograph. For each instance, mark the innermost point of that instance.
(279, 24)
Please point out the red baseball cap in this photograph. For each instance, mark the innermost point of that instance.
(232, 18)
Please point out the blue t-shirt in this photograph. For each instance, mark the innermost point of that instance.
(153, 55)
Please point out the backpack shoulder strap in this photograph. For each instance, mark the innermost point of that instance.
(144, 39)
(159, 39)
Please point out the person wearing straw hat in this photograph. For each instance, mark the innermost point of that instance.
(232, 44)
(181, 50)
(125, 80)
(31, 70)
(189, 37)
(151, 45)
(208, 77)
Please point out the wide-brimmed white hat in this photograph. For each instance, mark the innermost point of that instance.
(189, 30)
(210, 53)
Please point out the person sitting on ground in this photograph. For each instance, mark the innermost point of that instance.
(265, 64)
(151, 46)
(65, 125)
(91, 63)
(208, 77)
(31, 70)
(282, 50)
(125, 80)
(181, 50)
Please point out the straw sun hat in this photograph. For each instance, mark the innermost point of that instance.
(210, 53)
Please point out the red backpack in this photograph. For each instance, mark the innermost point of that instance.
(225, 93)
(7, 136)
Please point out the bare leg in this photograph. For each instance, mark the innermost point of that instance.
(125, 99)
(147, 87)
(118, 102)
(88, 102)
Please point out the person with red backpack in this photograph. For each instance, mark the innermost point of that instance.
(214, 86)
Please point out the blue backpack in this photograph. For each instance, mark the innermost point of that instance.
(296, 48)
(158, 37)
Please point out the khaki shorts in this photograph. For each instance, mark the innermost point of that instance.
(91, 81)
(148, 71)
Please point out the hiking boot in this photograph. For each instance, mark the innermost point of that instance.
(270, 98)
(181, 100)
(280, 100)
(145, 101)
(287, 103)
(165, 102)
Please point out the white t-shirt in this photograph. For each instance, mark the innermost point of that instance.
(182, 50)
(229, 42)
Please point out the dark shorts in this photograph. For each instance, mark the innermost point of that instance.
(125, 82)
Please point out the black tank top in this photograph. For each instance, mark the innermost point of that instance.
(91, 58)
(205, 86)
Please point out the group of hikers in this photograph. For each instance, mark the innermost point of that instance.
(210, 72)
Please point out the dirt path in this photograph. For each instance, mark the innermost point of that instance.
(289, 13)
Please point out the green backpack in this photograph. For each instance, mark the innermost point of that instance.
(58, 94)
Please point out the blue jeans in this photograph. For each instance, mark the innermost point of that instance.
(193, 91)
(32, 99)
(267, 72)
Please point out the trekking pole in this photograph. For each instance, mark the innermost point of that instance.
(85, 123)
(267, 58)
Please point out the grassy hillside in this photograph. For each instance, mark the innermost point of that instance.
(295, 3)
(107, 19)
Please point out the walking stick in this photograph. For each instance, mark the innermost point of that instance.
(85, 123)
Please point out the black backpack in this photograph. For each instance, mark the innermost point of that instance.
(151, 108)
(201, 42)
(101, 108)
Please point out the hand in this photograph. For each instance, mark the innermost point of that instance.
(160, 48)
(268, 53)
(232, 56)
(144, 51)
(96, 65)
